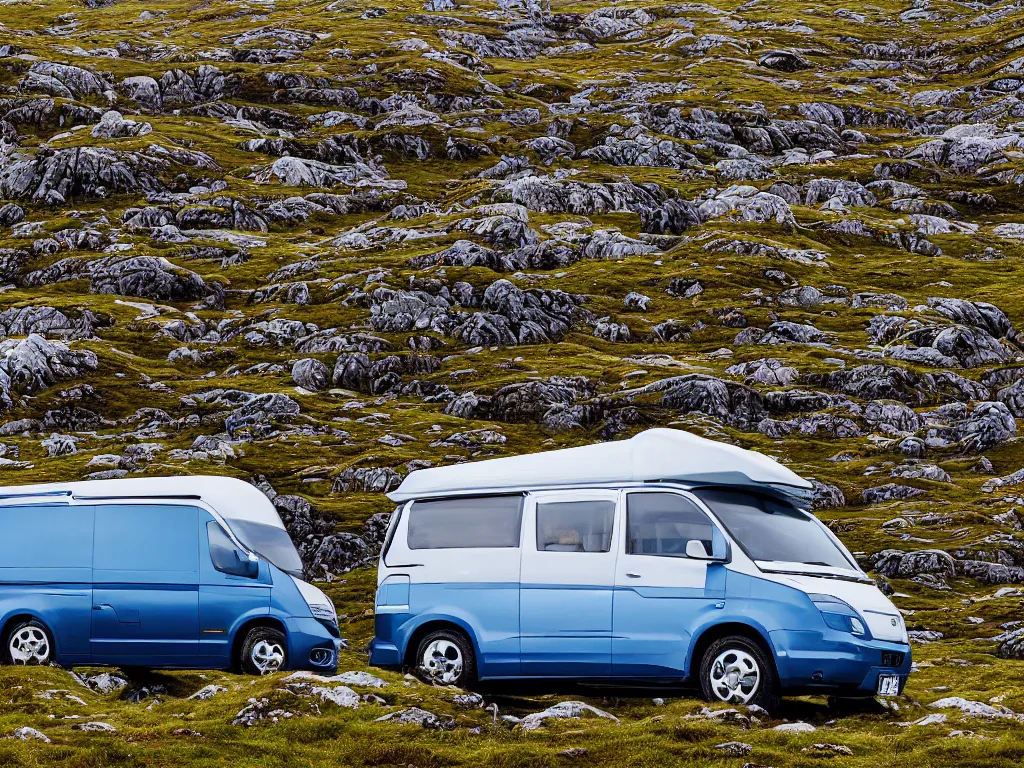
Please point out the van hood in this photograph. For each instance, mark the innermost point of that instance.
(883, 619)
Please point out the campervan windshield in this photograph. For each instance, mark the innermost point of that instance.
(271, 542)
(771, 530)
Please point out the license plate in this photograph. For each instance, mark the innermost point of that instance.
(888, 685)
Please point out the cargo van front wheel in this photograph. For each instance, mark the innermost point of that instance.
(28, 642)
(446, 657)
(264, 651)
(736, 670)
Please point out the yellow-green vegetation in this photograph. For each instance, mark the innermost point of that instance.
(301, 164)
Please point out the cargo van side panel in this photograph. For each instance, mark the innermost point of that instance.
(146, 585)
(46, 572)
(226, 601)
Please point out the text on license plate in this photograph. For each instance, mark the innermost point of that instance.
(888, 685)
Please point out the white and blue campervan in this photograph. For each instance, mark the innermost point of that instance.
(665, 557)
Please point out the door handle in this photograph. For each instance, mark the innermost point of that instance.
(633, 575)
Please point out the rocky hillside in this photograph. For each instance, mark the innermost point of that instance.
(319, 244)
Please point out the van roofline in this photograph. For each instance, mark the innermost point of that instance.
(792, 495)
(232, 498)
(661, 454)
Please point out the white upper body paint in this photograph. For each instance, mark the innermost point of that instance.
(656, 454)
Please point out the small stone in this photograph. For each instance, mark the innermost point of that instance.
(735, 748)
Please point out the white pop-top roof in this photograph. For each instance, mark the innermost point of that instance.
(656, 454)
(234, 499)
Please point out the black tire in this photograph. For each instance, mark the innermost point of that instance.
(446, 667)
(727, 661)
(264, 651)
(34, 631)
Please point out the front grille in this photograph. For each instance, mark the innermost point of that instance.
(892, 659)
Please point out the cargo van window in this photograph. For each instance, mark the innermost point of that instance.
(662, 524)
(478, 522)
(575, 526)
(223, 553)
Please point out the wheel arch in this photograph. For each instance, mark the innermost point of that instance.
(703, 640)
(431, 625)
(16, 617)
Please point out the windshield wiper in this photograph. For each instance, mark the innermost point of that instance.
(817, 562)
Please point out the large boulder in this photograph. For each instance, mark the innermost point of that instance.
(57, 176)
(895, 563)
(32, 364)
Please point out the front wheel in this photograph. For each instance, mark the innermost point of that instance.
(736, 670)
(446, 657)
(264, 651)
(28, 642)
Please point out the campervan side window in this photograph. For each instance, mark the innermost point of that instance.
(575, 526)
(662, 523)
(478, 522)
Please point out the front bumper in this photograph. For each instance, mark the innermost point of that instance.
(312, 646)
(836, 662)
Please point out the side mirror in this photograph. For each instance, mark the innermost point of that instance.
(696, 551)
(248, 564)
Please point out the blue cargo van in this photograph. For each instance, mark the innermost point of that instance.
(187, 572)
(665, 557)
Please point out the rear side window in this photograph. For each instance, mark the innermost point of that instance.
(662, 523)
(147, 538)
(479, 522)
(575, 526)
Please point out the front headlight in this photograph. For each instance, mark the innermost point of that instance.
(324, 612)
(839, 615)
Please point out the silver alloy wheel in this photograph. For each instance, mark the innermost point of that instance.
(442, 661)
(267, 657)
(29, 645)
(735, 676)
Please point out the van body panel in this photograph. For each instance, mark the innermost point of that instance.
(145, 584)
(145, 623)
(226, 601)
(444, 584)
(65, 608)
(654, 626)
(223, 609)
(565, 596)
(46, 571)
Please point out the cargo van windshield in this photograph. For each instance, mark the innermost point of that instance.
(771, 530)
(270, 542)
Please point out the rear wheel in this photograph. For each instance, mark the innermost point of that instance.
(446, 657)
(264, 651)
(28, 642)
(736, 670)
